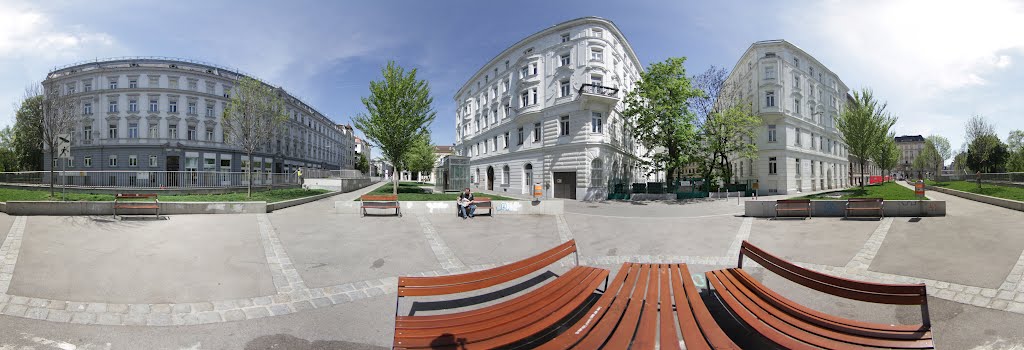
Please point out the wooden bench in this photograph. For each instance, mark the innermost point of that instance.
(793, 205)
(130, 201)
(862, 205)
(481, 203)
(794, 326)
(388, 201)
(648, 306)
(500, 324)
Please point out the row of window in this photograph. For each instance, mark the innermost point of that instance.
(133, 161)
(596, 126)
(773, 168)
(154, 107)
(154, 82)
(817, 142)
(596, 174)
(133, 132)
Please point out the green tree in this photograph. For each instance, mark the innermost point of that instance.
(725, 125)
(253, 119)
(8, 154)
(399, 112)
(887, 154)
(862, 124)
(941, 151)
(987, 154)
(927, 159)
(362, 164)
(660, 118)
(1015, 145)
(421, 157)
(28, 134)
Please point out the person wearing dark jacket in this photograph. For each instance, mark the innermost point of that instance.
(466, 206)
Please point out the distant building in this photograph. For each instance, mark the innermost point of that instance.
(546, 111)
(910, 147)
(799, 99)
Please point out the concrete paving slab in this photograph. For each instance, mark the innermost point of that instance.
(486, 240)
(182, 259)
(689, 208)
(5, 226)
(330, 249)
(602, 235)
(975, 244)
(826, 241)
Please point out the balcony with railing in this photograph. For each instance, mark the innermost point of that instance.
(598, 93)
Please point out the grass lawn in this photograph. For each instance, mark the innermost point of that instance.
(12, 194)
(410, 191)
(886, 191)
(1005, 192)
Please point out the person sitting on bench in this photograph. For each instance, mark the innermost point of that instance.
(466, 206)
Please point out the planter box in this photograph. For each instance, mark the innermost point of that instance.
(1001, 202)
(107, 208)
(837, 208)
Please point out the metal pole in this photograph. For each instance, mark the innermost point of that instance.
(64, 181)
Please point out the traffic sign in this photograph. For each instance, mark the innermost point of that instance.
(64, 146)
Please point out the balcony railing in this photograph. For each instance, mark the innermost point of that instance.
(122, 179)
(595, 89)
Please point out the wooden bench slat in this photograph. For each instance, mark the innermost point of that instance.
(913, 294)
(599, 334)
(623, 335)
(601, 311)
(142, 206)
(422, 286)
(713, 334)
(533, 299)
(753, 321)
(669, 339)
(879, 330)
(648, 326)
(807, 332)
(510, 328)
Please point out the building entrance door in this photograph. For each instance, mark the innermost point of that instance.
(490, 178)
(172, 168)
(565, 185)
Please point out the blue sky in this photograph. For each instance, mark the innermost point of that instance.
(936, 63)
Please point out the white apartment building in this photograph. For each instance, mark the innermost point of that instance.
(545, 111)
(798, 99)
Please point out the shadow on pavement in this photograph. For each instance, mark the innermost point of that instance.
(287, 341)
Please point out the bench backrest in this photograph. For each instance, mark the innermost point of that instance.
(379, 198)
(865, 200)
(482, 199)
(423, 286)
(135, 195)
(909, 294)
(793, 201)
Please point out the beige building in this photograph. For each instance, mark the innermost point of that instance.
(910, 147)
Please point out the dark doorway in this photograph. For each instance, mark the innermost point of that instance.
(490, 178)
(565, 185)
(172, 167)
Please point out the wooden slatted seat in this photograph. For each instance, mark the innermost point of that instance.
(389, 201)
(648, 306)
(131, 201)
(784, 206)
(484, 203)
(500, 324)
(865, 205)
(793, 326)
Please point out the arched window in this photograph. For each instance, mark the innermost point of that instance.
(596, 173)
(505, 175)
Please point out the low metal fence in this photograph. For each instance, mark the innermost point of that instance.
(332, 174)
(1000, 178)
(148, 179)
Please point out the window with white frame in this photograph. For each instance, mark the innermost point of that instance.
(113, 84)
(519, 139)
(494, 144)
(209, 135)
(565, 37)
(153, 132)
(112, 106)
(192, 109)
(209, 110)
(595, 123)
(87, 108)
(596, 173)
(773, 167)
(172, 131)
(172, 107)
(508, 110)
(506, 175)
(796, 81)
(133, 105)
(87, 162)
(112, 160)
(798, 167)
(87, 133)
(192, 134)
(70, 162)
(796, 106)
(564, 122)
(133, 130)
(769, 99)
(769, 72)
(564, 86)
(112, 131)
(133, 160)
(133, 84)
(771, 133)
(533, 68)
(533, 93)
(87, 86)
(536, 132)
(505, 145)
(596, 54)
(564, 60)
(797, 138)
(154, 105)
(524, 99)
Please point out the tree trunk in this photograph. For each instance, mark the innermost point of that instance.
(248, 175)
(862, 165)
(394, 181)
(52, 154)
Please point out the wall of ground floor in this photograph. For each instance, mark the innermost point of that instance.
(160, 158)
(570, 171)
(783, 172)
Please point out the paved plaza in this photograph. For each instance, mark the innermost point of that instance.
(307, 277)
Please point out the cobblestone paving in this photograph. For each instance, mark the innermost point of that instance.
(293, 296)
